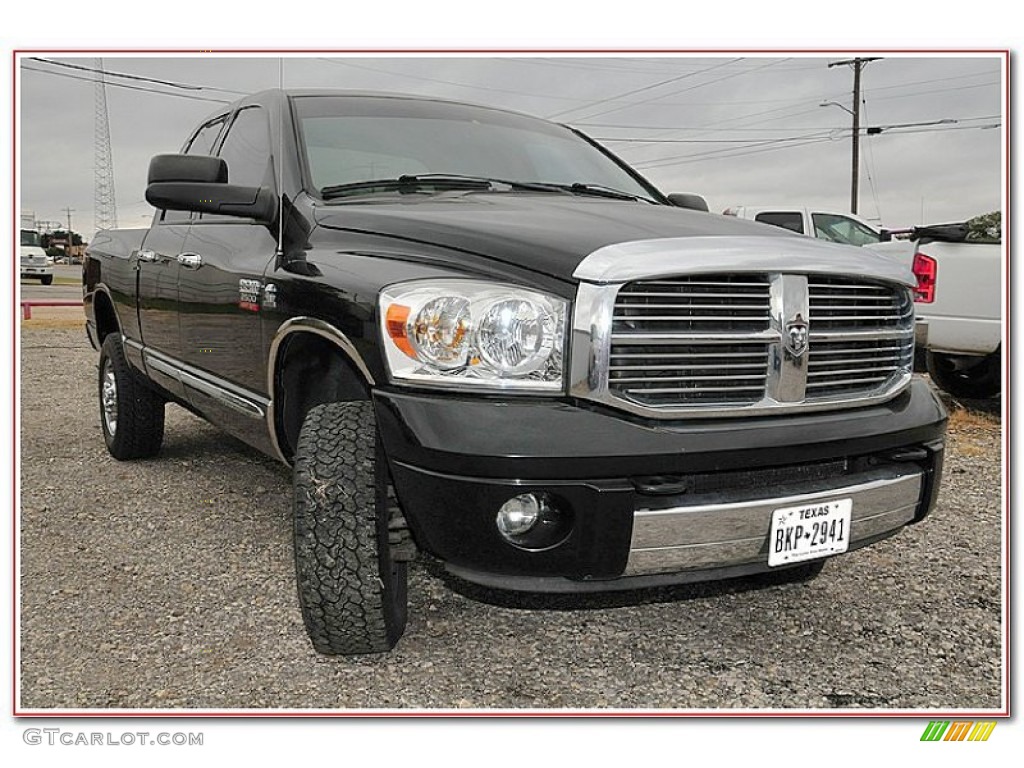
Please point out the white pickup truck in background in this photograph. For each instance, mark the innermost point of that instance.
(959, 297)
(834, 227)
(959, 305)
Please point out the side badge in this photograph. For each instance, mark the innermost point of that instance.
(269, 296)
(249, 294)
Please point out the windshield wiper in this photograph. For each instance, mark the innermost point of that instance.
(454, 181)
(599, 190)
(407, 183)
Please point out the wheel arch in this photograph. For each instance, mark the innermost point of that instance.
(311, 362)
(104, 314)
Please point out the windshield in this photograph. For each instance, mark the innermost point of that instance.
(30, 237)
(356, 139)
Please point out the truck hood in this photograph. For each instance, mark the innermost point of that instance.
(577, 238)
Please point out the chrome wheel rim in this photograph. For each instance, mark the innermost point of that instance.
(108, 397)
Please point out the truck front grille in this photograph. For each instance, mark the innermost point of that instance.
(838, 302)
(700, 304)
(745, 342)
(848, 368)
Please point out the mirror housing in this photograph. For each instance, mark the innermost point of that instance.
(200, 184)
(189, 168)
(686, 200)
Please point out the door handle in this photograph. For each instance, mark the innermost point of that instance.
(190, 260)
(147, 255)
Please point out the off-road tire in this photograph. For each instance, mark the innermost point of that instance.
(351, 591)
(979, 381)
(139, 428)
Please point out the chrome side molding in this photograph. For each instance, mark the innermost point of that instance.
(248, 403)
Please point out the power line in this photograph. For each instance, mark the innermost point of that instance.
(125, 85)
(170, 83)
(735, 153)
(747, 128)
(710, 141)
(642, 90)
(869, 166)
(423, 78)
(663, 161)
(691, 88)
(773, 144)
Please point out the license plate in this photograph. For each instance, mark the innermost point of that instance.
(809, 531)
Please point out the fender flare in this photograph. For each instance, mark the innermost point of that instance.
(318, 327)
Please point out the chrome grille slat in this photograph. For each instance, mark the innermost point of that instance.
(709, 342)
(692, 366)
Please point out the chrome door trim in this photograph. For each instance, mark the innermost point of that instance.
(231, 396)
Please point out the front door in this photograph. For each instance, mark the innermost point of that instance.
(221, 293)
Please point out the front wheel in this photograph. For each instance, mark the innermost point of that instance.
(46, 280)
(970, 377)
(352, 590)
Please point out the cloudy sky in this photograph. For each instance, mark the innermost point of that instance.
(738, 129)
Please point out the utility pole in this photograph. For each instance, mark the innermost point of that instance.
(858, 65)
(68, 212)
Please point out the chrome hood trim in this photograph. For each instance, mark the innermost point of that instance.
(666, 257)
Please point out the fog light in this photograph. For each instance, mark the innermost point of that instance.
(535, 521)
(518, 515)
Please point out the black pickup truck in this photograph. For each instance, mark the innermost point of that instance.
(482, 336)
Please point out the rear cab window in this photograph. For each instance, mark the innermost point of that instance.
(791, 220)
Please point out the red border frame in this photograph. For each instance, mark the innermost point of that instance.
(1007, 415)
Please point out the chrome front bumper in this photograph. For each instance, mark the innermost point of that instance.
(723, 534)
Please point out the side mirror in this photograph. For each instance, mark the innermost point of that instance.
(686, 200)
(199, 183)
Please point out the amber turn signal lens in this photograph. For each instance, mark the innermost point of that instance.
(395, 321)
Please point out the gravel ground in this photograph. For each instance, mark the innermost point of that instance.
(168, 583)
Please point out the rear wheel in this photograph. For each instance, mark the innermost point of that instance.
(131, 414)
(352, 590)
(964, 376)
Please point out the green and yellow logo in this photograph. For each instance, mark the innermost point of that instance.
(958, 730)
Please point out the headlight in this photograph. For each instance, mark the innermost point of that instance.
(473, 333)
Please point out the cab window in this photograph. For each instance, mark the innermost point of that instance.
(246, 149)
(201, 143)
(791, 220)
(843, 229)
